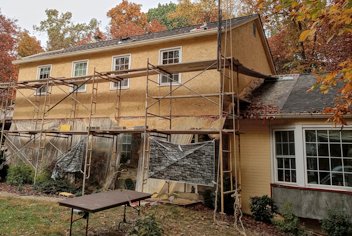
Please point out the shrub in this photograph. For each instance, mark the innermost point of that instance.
(290, 223)
(19, 175)
(51, 186)
(337, 223)
(148, 226)
(263, 208)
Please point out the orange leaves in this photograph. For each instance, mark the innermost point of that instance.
(305, 34)
(28, 45)
(8, 32)
(128, 20)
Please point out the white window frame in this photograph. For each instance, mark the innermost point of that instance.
(38, 75)
(161, 51)
(80, 90)
(305, 161)
(301, 161)
(275, 164)
(112, 84)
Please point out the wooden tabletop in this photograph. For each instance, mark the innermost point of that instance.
(104, 200)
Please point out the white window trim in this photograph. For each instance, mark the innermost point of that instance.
(37, 76)
(112, 87)
(274, 160)
(73, 74)
(160, 63)
(301, 165)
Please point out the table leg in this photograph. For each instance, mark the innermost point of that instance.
(87, 224)
(71, 221)
(124, 214)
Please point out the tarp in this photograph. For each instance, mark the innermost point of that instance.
(71, 161)
(192, 163)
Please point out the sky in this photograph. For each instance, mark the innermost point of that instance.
(29, 13)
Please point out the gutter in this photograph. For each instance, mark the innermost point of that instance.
(296, 116)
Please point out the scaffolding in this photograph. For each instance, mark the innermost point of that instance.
(228, 132)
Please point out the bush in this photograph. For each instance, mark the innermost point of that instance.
(50, 186)
(148, 226)
(263, 208)
(337, 223)
(290, 223)
(19, 175)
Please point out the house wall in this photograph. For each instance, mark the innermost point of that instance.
(247, 48)
(257, 174)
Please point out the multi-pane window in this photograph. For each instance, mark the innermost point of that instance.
(170, 56)
(43, 73)
(329, 157)
(80, 69)
(285, 156)
(126, 148)
(121, 63)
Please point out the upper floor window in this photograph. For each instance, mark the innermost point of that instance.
(80, 68)
(170, 56)
(329, 157)
(43, 73)
(285, 156)
(121, 63)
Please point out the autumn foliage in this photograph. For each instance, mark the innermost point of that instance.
(28, 45)
(8, 32)
(127, 19)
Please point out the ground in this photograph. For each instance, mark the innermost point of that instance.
(25, 213)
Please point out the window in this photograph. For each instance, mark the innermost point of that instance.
(121, 63)
(80, 69)
(170, 56)
(126, 149)
(285, 156)
(43, 73)
(329, 157)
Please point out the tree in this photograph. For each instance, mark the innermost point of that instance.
(320, 36)
(28, 45)
(127, 19)
(62, 33)
(8, 33)
(200, 11)
(161, 14)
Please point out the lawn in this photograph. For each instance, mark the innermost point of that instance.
(37, 217)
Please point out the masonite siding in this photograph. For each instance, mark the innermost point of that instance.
(255, 160)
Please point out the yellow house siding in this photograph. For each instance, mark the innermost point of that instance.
(255, 161)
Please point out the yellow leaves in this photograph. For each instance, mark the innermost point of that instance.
(307, 33)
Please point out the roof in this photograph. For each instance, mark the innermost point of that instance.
(289, 97)
(133, 40)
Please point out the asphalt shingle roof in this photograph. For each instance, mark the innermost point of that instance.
(289, 97)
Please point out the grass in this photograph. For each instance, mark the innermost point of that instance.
(35, 217)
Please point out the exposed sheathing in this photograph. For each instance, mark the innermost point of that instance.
(55, 146)
(132, 99)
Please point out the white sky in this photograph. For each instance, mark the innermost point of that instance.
(31, 12)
